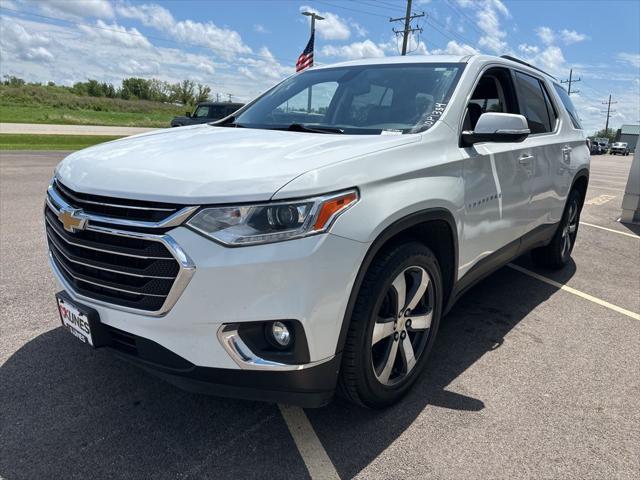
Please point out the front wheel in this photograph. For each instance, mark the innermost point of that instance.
(393, 325)
(557, 254)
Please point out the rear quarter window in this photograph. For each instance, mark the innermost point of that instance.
(568, 105)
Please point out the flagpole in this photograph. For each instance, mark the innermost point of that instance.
(314, 16)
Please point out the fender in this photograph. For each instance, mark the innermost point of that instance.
(582, 173)
(392, 230)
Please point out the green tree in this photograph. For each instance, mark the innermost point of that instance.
(13, 81)
(610, 134)
(183, 92)
(204, 91)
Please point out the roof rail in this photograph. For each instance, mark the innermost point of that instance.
(517, 60)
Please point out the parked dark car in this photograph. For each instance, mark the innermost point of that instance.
(206, 112)
(595, 148)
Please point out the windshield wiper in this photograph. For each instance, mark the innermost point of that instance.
(301, 127)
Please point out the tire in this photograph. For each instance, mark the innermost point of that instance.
(368, 377)
(557, 254)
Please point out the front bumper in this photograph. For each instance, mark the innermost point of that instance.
(308, 280)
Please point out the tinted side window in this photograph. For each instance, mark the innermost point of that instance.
(568, 104)
(201, 111)
(217, 111)
(533, 103)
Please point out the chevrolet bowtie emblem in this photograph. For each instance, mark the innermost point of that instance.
(72, 220)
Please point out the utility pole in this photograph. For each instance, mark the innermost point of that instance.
(570, 81)
(609, 112)
(407, 30)
(314, 16)
(229, 95)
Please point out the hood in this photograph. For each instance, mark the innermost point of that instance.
(204, 164)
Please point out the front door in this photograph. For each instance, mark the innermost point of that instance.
(496, 178)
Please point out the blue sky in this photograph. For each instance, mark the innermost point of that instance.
(244, 46)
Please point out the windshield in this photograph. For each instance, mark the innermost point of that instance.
(364, 99)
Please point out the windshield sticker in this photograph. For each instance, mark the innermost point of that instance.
(433, 117)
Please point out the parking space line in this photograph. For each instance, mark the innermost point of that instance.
(313, 454)
(632, 235)
(586, 296)
(600, 200)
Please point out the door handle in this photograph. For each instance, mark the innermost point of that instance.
(525, 159)
(566, 149)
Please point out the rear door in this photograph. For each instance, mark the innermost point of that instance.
(548, 150)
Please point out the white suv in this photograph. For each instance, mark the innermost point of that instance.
(315, 239)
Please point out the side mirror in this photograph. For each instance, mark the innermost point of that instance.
(188, 114)
(497, 127)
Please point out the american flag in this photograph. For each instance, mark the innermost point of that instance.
(305, 60)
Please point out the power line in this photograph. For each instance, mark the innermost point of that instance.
(375, 4)
(350, 9)
(407, 26)
(464, 15)
(448, 32)
(570, 81)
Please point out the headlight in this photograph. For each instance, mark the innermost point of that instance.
(271, 222)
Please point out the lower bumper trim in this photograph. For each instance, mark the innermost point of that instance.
(308, 388)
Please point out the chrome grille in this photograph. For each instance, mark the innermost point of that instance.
(116, 207)
(127, 261)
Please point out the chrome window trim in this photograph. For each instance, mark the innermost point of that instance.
(247, 360)
(171, 221)
(185, 272)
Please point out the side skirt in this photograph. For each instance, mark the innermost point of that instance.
(538, 237)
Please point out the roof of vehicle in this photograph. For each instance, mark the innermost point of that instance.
(220, 103)
(513, 62)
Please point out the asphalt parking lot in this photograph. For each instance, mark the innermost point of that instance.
(527, 379)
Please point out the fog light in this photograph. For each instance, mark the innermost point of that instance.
(280, 334)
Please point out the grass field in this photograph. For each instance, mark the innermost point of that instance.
(67, 116)
(50, 142)
(44, 104)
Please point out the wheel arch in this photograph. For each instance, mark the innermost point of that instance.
(436, 228)
(580, 182)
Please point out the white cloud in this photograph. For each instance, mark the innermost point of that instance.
(528, 49)
(360, 30)
(455, 48)
(630, 58)
(571, 36)
(258, 28)
(488, 14)
(365, 49)
(546, 35)
(75, 9)
(116, 34)
(265, 67)
(150, 15)
(333, 27)
(39, 54)
(78, 57)
(24, 44)
(224, 42)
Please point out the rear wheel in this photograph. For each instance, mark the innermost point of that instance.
(557, 254)
(393, 326)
